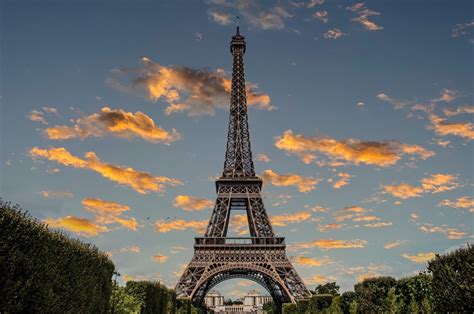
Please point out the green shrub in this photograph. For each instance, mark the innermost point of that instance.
(320, 302)
(303, 306)
(335, 307)
(372, 294)
(346, 299)
(289, 308)
(123, 303)
(413, 291)
(453, 281)
(46, 271)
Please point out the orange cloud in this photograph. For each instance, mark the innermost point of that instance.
(108, 212)
(116, 122)
(362, 16)
(318, 208)
(460, 110)
(312, 262)
(435, 183)
(319, 279)
(403, 190)
(440, 182)
(382, 154)
(37, 116)
(140, 181)
(443, 128)
(365, 276)
(324, 228)
(378, 224)
(160, 258)
(343, 181)
(333, 33)
(447, 95)
(420, 258)
(191, 203)
(327, 244)
(398, 104)
(465, 202)
(240, 224)
(394, 244)
(451, 233)
(77, 225)
(205, 90)
(263, 158)
(179, 224)
(366, 218)
(285, 219)
(133, 249)
(56, 194)
(304, 184)
(349, 213)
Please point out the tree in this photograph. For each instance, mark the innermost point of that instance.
(327, 288)
(414, 291)
(372, 294)
(335, 307)
(453, 280)
(346, 300)
(269, 308)
(122, 302)
(320, 302)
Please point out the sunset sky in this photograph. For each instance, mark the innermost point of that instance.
(114, 121)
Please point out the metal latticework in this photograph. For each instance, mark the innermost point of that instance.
(260, 257)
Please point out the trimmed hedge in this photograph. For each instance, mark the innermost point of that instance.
(44, 271)
(453, 280)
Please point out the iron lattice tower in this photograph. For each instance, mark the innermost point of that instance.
(260, 257)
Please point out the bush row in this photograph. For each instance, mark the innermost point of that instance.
(447, 286)
(46, 271)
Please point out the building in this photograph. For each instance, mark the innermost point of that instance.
(213, 299)
(253, 303)
(253, 298)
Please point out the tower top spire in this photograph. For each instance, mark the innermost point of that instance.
(237, 44)
(238, 158)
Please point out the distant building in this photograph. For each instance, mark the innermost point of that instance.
(213, 299)
(253, 303)
(254, 298)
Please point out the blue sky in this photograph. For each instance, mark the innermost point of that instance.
(361, 115)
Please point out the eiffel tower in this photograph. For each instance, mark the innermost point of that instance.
(260, 257)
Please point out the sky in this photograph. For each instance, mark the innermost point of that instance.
(114, 121)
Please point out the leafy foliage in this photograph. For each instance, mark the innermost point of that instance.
(453, 280)
(122, 302)
(321, 302)
(44, 271)
(414, 291)
(346, 299)
(372, 294)
(327, 288)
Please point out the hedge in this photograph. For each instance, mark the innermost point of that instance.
(453, 280)
(46, 271)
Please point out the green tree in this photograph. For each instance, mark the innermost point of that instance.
(122, 302)
(335, 307)
(395, 303)
(327, 288)
(453, 280)
(372, 294)
(320, 302)
(346, 299)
